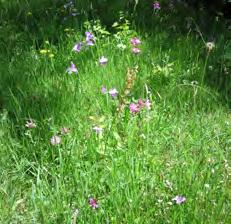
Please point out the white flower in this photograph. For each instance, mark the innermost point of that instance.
(121, 46)
(210, 46)
(103, 60)
(55, 140)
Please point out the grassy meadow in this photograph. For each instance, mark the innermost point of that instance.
(142, 137)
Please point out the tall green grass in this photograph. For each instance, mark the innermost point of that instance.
(140, 162)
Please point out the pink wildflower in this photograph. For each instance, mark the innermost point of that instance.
(156, 6)
(135, 41)
(134, 108)
(141, 103)
(136, 50)
(93, 203)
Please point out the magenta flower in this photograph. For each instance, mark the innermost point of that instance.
(103, 90)
(156, 5)
(135, 41)
(97, 130)
(72, 69)
(103, 60)
(93, 203)
(136, 50)
(134, 108)
(113, 93)
(55, 140)
(30, 124)
(77, 47)
(179, 199)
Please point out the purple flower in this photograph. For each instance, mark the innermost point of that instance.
(103, 60)
(72, 69)
(136, 50)
(77, 47)
(93, 203)
(103, 90)
(134, 108)
(113, 93)
(179, 199)
(156, 5)
(89, 36)
(55, 140)
(97, 130)
(135, 41)
(90, 43)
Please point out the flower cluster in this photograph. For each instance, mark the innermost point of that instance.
(130, 81)
(135, 42)
(156, 6)
(89, 41)
(137, 107)
(46, 52)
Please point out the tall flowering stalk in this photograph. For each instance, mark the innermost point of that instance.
(130, 81)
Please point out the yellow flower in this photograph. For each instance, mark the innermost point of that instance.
(51, 55)
(44, 51)
(29, 13)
